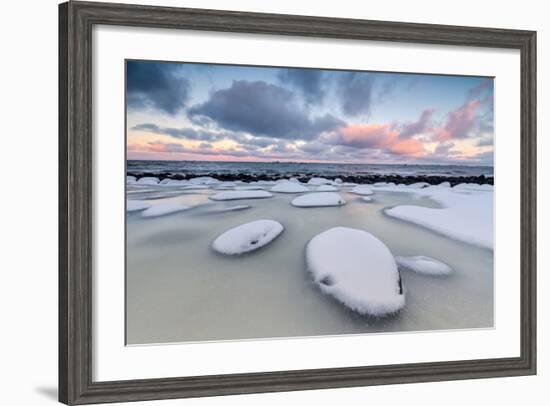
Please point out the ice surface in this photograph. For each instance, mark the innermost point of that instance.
(318, 199)
(247, 237)
(363, 190)
(241, 194)
(289, 187)
(424, 265)
(163, 208)
(357, 269)
(136, 205)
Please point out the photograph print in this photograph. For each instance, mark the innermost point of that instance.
(282, 202)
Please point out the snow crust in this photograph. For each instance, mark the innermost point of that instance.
(424, 265)
(247, 237)
(318, 199)
(357, 269)
(162, 209)
(241, 194)
(289, 187)
(466, 217)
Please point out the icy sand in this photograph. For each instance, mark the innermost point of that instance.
(357, 269)
(269, 292)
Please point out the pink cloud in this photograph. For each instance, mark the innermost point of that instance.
(380, 136)
(459, 122)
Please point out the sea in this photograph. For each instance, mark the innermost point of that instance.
(287, 169)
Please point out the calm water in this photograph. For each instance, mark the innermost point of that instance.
(179, 290)
(289, 169)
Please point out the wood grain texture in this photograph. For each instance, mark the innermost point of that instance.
(76, 20)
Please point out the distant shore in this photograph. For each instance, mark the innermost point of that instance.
(359, 178)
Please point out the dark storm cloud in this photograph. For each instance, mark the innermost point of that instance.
(307, 81)
(155, 85)
(356, 92)
(262, 109)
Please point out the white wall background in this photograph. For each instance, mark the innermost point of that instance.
(28, 200)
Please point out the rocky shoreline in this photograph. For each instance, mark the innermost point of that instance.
(359, 178)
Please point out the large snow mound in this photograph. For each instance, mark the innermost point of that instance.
(362, 190)
(424, 265)
(163, 208)
(357, 269)
(241, 194)
(136, 205)
(289, 187)
(247, 237)
(466, 217)
(318, 199)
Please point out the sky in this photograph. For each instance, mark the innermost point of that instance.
(209, 112)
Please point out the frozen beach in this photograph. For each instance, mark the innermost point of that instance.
(181, 287)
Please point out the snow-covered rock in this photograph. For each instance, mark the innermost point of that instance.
(363, 190)
(241, 194)
(338, 181)
(163, 208)
(319, 181)
(326, 188)
(136, 205)
(289, 187)
(366, 198)
(247, 237)
(164, 181)
(357, 269)
(444, 184)
(148, 180)
(466, 217)
(130, 179)
(473, 186)
(318, 199)
(424, 265)
(174, 182)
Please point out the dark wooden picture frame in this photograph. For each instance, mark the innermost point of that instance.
(76, 20)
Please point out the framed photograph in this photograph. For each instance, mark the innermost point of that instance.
(257, 202)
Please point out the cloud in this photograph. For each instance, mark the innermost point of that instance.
(309, 82)
(356, 92)
(419, 126)
(155, 85)
(262, 109)
(485, 85)
(459, 122)
(379, 136)
(181, 133)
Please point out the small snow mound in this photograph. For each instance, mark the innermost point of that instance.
(164, 181)
(204, 180)
(241, 194)
(130, 179)
(247, 237)
(419, 185)
(357, 269)
(319, 181)
(163, 208)
(338, 181)
(366, 198)
(148, 180)
(289, 187)
(249, 187)
(174, 182)
(424, 265)
(444, 184)
(318, 199)
(362, 190)
(326, 188)
(136, 205)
